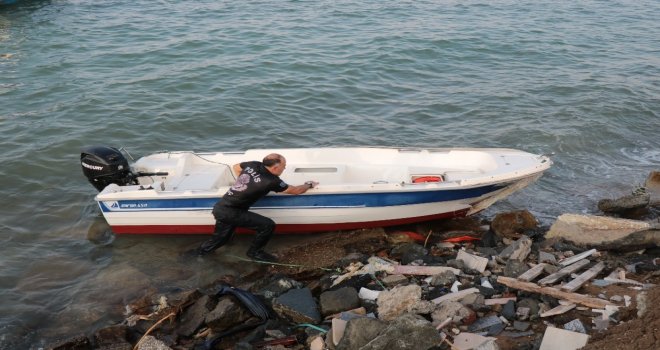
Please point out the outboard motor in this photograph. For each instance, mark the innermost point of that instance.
(106, 165)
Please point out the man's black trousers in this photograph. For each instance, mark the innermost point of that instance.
(227, 219)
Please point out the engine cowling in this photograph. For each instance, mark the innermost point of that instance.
(104, 165)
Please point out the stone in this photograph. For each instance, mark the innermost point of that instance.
(79, 342)
(193, 317)
(514, 223)
(297, 305)
(111, 335)
(531, 304)
(450, 309)
(339, 300)
(521, 326)
(509, 310)
(604, 233)
(359, 332)
(226, 314)
(409, 252)
(575, 326)
(277, 286)
(443, 279)
(652, 186)
(547, 257)
(490, 324)
(406, 332)
(397, 301)
(151, 343)
(515, 268)
(518, 250)
(625, 203)
(395, 280)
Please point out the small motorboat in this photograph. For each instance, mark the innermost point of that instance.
(359, 187)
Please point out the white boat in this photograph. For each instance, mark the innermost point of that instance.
(359, 187)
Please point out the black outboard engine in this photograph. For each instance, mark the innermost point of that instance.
(106, 165)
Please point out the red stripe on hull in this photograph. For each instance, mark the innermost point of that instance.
(283, 228)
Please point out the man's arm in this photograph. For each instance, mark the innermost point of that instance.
(300, 189)
(236, 168)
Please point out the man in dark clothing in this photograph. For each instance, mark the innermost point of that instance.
(254, 180)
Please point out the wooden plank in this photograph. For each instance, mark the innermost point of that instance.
(564, 272)
(498, 301)
(553, 292)
(455, 296)
(578, 257)
(573, 285)
(422, 270)
(532, 273)
(558, 310)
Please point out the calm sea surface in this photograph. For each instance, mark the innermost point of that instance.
(580, 79)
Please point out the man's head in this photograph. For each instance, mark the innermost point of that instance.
(275, 163)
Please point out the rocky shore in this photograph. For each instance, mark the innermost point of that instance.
(587, 281)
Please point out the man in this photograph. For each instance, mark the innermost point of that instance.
(253, 181)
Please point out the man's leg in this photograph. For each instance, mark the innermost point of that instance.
(221, 235)
(264, 229)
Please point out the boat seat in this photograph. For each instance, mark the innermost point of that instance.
(201, 178)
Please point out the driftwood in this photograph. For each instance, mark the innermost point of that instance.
(564, 272)
(584, 277)
(553, 292)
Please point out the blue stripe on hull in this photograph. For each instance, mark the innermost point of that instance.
(306, 201)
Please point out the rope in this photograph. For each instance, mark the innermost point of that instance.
(282, 264)
(312, 326)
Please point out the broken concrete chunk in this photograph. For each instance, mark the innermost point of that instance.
(443, 279)
(604, 233)
(470, 341)
(397, 301)
(450, 309)
(472, 261)
(518, 250)
(555, 338)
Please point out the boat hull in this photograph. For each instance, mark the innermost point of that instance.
(360, 188)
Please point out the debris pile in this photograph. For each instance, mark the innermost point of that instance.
(465, 284)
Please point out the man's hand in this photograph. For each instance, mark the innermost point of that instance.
(301, 188)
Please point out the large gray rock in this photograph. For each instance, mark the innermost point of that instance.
(195, 315)
(151, 343)
(652, 186)
(604, 232)
(339, 300)
(625, 203)
(226, 314)
(359, 332)
(79, 342)
(399, 300)
(297, 305)
(407, 332)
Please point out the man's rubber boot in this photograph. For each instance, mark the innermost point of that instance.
(261, 255)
